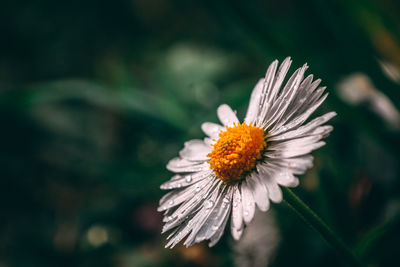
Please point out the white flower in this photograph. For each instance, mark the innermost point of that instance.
(240, 166)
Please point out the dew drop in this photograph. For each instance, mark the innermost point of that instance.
(179, 185)
(197, 189)
(208, 204)
(246, 213)
(188, 179)
(225, 200)
(214, 228)
(171, 202)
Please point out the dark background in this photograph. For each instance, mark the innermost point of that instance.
(97, 96)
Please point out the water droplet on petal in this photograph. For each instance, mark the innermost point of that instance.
(208, 204)
(171, 202)
(188, 179)
(214, 228)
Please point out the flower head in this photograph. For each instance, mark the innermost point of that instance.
(236, 152)
(242, 165)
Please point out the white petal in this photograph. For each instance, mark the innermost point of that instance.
(248, 204)
(226, 115)
(177, 196)
(269, 81)
(289, 153)
(280, 76)
(295, 122)
(299, 99)
(287, 179)
(178, 234)
(214, 227)
(179, 165)
(264, 104)
(324, 131)
(190, 207)
(193, 223)
(305, 129)
(254, 104)
(195, 150)
(237, 214)
(271, 88)
(296, 165)
(311, 100)
(285, 98)
(294, 144)
(212, 129)
(259, 191)
(236, 233)
(178, 181)
(305, 98)
(275, 193)
(217, 236)
(268, 178)
(202, 215)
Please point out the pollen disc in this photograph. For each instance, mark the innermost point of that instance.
(237, 151)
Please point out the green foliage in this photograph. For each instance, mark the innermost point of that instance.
(95, 98)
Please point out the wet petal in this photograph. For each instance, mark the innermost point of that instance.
(237, 214)
(226, 115)
(248, 204)
(212, 129)
(259, 191)
(195, 150)
(254, 104)
(179, 165)
(179, 181)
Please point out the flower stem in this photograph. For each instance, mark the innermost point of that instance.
(311, 218)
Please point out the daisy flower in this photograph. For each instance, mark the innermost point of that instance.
(239, 166)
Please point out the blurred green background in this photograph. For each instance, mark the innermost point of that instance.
(97, 96)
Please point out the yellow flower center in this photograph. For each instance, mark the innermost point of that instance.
(237, 151)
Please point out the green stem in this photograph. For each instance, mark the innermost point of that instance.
(320, 226)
